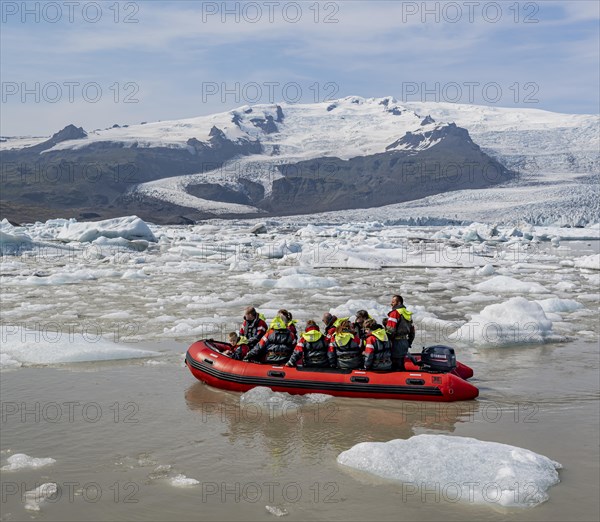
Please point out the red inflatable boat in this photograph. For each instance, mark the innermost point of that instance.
(208, 364)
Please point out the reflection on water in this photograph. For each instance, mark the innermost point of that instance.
(337, 423)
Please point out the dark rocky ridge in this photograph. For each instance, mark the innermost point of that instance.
(97, 178)
(96, 181)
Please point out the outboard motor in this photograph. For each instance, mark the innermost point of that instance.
(438, 358)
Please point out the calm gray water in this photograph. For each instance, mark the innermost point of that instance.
(131, 426)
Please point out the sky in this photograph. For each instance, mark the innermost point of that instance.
(95, 64)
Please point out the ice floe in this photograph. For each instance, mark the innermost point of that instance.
(197, 279)
(592, 262)
(36, 497)
(506, 284)
(50, 346)
(181, 480)
(554, 304)
(130, 227)
(20, 461)
(512, 322)
(458, 468)
(266, 401)
(277, 511)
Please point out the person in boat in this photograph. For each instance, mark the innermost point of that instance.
(329, 322)
(239, 345)
(361, 317)
(378, 347)
(345, 347)
(276, 346)
(401, 331)
(311, 348)
(291, 323)
(254, 326)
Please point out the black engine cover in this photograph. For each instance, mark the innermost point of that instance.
(438, 358)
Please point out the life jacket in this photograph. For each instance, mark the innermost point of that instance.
(279, 342)
(347, 350)
(292, 328)
(241, 349)
(381, 356)
(404, 325)
(250, 330)
(315, 348)
(404, 313)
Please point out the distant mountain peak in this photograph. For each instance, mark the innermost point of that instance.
(422, 139)
(70, 132)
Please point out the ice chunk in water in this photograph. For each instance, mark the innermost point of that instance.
(35, 497)
(22, 346)
(277, 511)
(129, 227)
(512, 322)
(20, 461)
(591, 262)
(183, 481)
(559, 305)
(280, 402)
(459, 468)
(510, 285)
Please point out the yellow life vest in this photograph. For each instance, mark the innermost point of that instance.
(404, 313)
(343, 338)
(380, 334)
(312, 335)
(278, 324)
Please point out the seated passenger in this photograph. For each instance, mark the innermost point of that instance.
(329, 322)
(276, 346)
(361, 317)
(344, 349)
(378, 348)
(291, 323)
(254, 326)
(311, 348)
(239, 345)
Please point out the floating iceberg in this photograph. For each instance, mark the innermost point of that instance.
(20, 461)
(505, 284)
(458, 469)
(51, 346)
(130, 227)
(512, 322)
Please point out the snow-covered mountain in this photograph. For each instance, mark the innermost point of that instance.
(530, 141)
(344, 128)
(303, 158)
